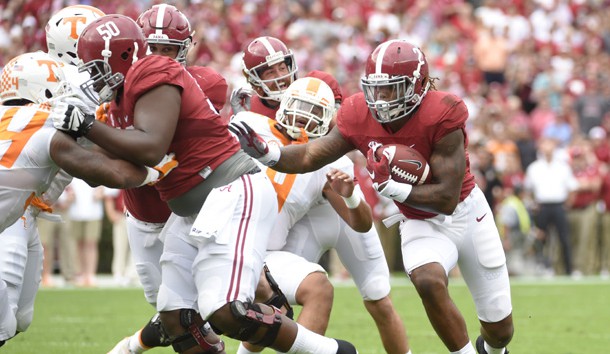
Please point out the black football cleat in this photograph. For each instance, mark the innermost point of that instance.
(480, 344)
(345, 347)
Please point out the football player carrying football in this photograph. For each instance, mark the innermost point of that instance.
(270, 66)
(445, 222)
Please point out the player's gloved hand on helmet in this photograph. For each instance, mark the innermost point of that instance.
(71, 119)
(379, 170)
(102, 111)
(254, 145)
(240, 99)
(162, 169)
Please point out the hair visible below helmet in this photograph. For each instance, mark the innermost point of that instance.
(401, 67)
(35, 77)
(64, 28)
(108, 47)
(165, 24)
(308, 104)
(262, 53)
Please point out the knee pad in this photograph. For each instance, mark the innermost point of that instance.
(279, 299)
(199, 334)
(375, 289)
(251, 318)
(154, 334)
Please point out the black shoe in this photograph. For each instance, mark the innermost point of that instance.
(480, 344)
(345, 347)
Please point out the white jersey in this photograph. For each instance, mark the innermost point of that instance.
(308, 225)
(296, 193)
(26, 168)
(63, 179)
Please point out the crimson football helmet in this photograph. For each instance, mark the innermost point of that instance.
(64, 28)
(107, 48)
(165, 24)
(396, 80)
(307, 104)
(262, 53)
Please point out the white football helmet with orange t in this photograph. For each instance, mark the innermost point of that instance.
(64, 28)
(35, 77)
(308, 105)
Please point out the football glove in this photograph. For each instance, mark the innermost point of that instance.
(254, 145)
(380, 174)
(378, 170)
(101, 113)
(240, 99)
(157, 173)
(71, 119)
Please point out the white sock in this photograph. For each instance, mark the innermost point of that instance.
(468, 349)
(310, 342)
(491, 350)
(135, 345)
(242, 350)
(409, 352)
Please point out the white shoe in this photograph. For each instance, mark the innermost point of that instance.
(122, 347)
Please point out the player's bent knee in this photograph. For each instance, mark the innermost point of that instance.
(254, 325)
(427, 281)
(187, 330)
(315, 285)
(24, 319)
(375, 289)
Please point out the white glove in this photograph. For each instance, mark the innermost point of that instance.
(80, 103)
(240, 99)
(71, 119)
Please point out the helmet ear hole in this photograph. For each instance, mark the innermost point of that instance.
(48, 93)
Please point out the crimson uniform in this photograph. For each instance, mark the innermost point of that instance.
(146, 212)
(202, 143)
(257, 106)
(438, 115)
(428, 237)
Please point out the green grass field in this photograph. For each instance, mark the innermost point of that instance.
(558, 316)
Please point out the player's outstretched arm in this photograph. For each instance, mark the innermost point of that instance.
(94, 167)
(155, 119)
(315, 154)
(347, 201)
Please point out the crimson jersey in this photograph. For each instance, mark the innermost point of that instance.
(257, 106)
(439, 113)
(212, 83)
(201, 141)
(144, 203)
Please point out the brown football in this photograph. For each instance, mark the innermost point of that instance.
(407, 165)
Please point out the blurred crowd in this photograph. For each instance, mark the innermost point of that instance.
(530, 71)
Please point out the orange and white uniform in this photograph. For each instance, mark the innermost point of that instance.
(26, 168)
(307, 225)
